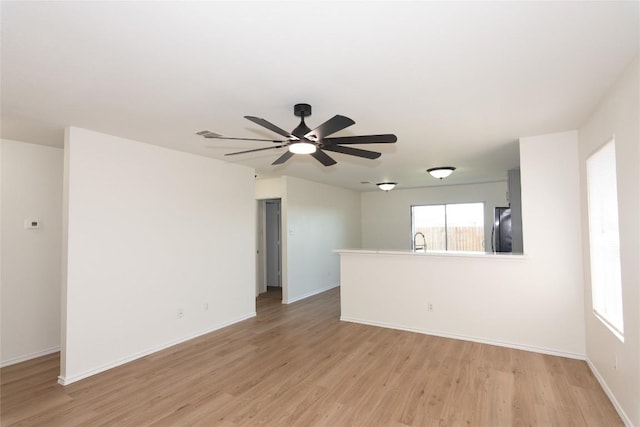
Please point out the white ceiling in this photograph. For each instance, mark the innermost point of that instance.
(457, 82)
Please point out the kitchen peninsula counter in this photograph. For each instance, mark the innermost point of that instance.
(495, 255)
(497, 298)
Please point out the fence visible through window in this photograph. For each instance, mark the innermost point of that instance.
(452, 227)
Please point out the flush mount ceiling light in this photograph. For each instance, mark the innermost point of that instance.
(386, 186)
(302, 148)
(441, 172)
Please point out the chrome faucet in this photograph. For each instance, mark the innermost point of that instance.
(424, 242)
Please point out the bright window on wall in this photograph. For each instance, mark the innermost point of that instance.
(604, 238)
(454, 227)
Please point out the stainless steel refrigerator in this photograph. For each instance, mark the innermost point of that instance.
(501, 235)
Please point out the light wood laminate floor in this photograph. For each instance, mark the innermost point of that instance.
(299, 365)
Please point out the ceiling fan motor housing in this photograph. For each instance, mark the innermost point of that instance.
(302, 110)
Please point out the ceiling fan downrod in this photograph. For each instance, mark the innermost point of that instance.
(302, 111)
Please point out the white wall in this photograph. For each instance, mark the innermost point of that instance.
(617, 115)
(269, 188)
(552, 227)
(551, 200)
(31, 189)
(386, 216)
(150, 231)
(316, 220)
(533, 301)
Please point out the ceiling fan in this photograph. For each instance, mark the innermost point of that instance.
(303, 140)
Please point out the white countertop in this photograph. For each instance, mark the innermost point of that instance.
(494, 255)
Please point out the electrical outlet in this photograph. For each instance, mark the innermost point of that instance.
(430, 308)
(206, 306)
(180, 313)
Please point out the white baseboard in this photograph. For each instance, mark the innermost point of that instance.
(309, 294)
(66, 380)
(612, 398)
(25, 357)
(516, 346)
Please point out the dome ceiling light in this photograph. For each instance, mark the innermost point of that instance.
(386, 186)
(441, 172)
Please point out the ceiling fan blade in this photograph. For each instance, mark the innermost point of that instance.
(243, 139)
(270, 126)
(252, 151)
(323, 158)
(362, 139)
(353, 151)
(280, 160)
(333, 125)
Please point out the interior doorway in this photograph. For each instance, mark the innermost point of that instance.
(272, 243)
(270, 247)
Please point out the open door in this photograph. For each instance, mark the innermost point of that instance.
(273, 247)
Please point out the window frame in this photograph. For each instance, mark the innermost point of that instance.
(609, 290)
(446, 223)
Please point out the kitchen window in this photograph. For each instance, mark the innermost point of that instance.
(604, 238)
(451, 227)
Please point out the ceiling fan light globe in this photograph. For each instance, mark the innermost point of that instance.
(302, 148)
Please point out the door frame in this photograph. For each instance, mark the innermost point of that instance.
(261, 245)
